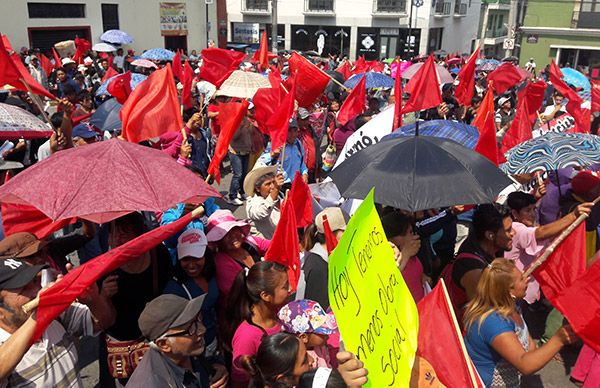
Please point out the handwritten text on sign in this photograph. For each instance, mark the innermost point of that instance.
(375, 311)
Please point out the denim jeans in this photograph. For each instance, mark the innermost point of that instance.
(239, 168)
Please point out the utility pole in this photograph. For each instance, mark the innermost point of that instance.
(408, 41)
(274, 26)
(512, 25)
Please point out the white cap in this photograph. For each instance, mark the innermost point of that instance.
(502, 100)
(66, 61)
(192, 243)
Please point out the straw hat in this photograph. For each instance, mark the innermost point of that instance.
(254, 175)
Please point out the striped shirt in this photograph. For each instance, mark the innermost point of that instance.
(52, 361)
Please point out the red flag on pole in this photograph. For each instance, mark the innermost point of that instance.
(424, 88)
(266, 101)
(284, 248)
(120, 87)
(152, 108)
(111, 72)
(344, 69)
(595, 95)
(504, 77)
(310, 81)
(274, 78)
(7, 44)
(447, 354)
(397, 123)
(177, 67)
(278, 124)
(581, 115)
(218, 64)
(25, 218)
(186, 93)
(360, 66)
(45, 63)
(530, 100)
(82, 48)
(487, 145)
(301, 198)
(330, 240)
(466, 80)
(54, 300)
(355, 103)
(57, 60)
(262, 54)
(230, 117)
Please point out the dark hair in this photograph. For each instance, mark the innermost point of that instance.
(262, 180)
(396, 224)
(57, 119)
(361, 120)
(83, 95)
(488, 218)
(476, 99)
(312, 237)
(208, 271)
(246, 291)
(61, 69)
(69, 90)
(135, 220)
(276, 357)
(519, 200)
(335, 380)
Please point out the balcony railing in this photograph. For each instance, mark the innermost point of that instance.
(442, 8)
(319, 6)
(460, 7)
(261, 6)
(496, 33)
(389, 6)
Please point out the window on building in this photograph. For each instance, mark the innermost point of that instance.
(589, 15)
(110, 17)
(442, 7)
(460, 7)
(256, 5)
(392, 6)
(320, 5)
(55, 11)
(44, 38)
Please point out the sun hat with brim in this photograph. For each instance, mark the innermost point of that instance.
(221, 222)
(67, 61)
(20, 245)
(254, 175)
(166, 312)
(17, 274)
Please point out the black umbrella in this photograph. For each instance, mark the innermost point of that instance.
(107, 117)
(420, 172)
(333, 87)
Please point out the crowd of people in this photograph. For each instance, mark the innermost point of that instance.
(203, 309)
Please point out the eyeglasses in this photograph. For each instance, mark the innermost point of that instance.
(190, 331)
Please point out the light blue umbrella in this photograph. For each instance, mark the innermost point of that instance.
(116, 37)
(158, 54)
(374, 80)
(575, 78)
(136, 79)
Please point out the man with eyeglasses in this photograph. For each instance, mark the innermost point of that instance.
(174, 326)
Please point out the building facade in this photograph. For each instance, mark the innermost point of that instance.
(152, 23)
(567, 31)
(373, 28)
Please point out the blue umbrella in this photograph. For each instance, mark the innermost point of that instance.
(158, 54)
(116, 37)
(553, 151)
(575, 78)
(488, 65)
(461, 133)
(374, 80)
(136, 79)
(107, 117)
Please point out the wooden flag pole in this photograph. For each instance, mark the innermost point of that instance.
(540, 260)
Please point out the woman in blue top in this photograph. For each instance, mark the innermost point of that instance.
(195, 276)
(497, 338)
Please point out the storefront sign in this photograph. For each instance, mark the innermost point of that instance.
(532, 39)
(246, 32)
(173, 19)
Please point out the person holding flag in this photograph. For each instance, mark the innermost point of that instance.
(263, 185)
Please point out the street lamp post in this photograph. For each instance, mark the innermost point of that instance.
(274, 26)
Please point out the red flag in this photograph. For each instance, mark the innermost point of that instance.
(152, 108)
(218, 64)
(466, 81)
(57, 60)
(581, 115)
(266, 101)
(111, 72)
(595, 95)
(344, 69)
(230, 117)
(354, 103)
(84, 118)
(274, 78)
(424, 88)
(360, 66)
(278, 124)
(45, 63)
(330, 240)
(505, 77)
(177, 67)
(120, 87)
(487, 144)
(54, 300)
(262, 55)
(447, 354)
(186, 93)
(530, 99)
(301, 198)
(284, 248)
(375, 66)
(14, 73)
(309, 80)
(82, 48)
(397, 123)
(25, 218)
(7, 45)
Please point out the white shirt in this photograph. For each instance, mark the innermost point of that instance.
(119, 61)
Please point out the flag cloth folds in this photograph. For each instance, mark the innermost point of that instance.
(301, 198)
(266, 101)
(310, 81)
(355, 103)
(13, 73)
(54, 300)
(262, 54)
(344, 69)
(230, 117)
(397, 122)
(25, 218)
(424, 88)
(487, 145)
(82, 48)
(466, 80)
(45, 63)
(581, 115)
(120, 87)
(330, 240)
(360, 66)
(595, 95)
(529, 99)
(177, 66)
(284, 248)
(152, 108)
(57, 61)
(278, 124)
(504, 77)
(218, 64)
(447, 354)
(186, 93)
(111, 72)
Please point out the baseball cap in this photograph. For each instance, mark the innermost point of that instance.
(192, 243)
(306, 316)
(293, 123)
(335, 216)
(166, 312)
(303, 113)
(84, 131)
(20, 245)
(15, 273)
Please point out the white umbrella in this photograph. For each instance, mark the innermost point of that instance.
(443, 74)
(104, 47)
(16, 123)
(243, 84)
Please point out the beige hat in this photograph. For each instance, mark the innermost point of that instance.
(335, 216)
(254, 175)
